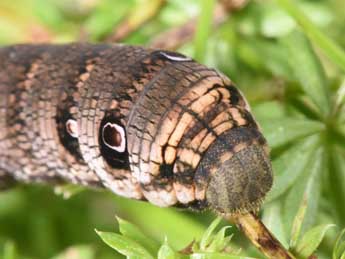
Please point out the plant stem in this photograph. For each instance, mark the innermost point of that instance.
(259, 235)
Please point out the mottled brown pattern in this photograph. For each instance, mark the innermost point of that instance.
(190, 138)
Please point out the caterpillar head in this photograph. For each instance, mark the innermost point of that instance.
(239, 171)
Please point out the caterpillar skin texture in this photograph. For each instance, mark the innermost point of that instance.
(147, 124)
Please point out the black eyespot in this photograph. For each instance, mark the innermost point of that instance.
(113, 142)
(113, 136)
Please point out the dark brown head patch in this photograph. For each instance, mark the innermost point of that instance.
(239, 171)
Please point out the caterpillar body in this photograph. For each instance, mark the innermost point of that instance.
(147, 124)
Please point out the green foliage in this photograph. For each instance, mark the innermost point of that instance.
(203, 29)
(339, 247)
(9, 251)
(134, 244)
(287, 57)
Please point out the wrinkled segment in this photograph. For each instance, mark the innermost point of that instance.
(145, 124)
(23, 111)
(39, 83)
(180, 114)
(112, 88)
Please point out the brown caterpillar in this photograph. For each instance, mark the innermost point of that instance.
(146, 124)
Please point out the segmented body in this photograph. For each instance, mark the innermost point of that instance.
(136, 121)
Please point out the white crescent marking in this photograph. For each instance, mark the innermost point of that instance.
(175, 58)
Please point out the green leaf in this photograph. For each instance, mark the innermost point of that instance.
(276, 22)
(10, 250)
(166, 252)
(48, 14)
(285, 130)
(272, 218)
(129, 230)
(311, 240)
(149, 218)
(297, 223)
(290, 165)
(339, 100)
(277, 63)
(269, 110)
(220, 241)
(203, 30)
(336, 180)
(207, 236)
(206, 255)
(124, 245)
(339, 247)
(327, 45)
(308, 187)
(307, 69)
(103, 20)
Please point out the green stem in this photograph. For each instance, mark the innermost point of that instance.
(203, 29)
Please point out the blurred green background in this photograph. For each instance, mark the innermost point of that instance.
(296, 90)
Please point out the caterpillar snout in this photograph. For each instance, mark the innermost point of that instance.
(239, 171)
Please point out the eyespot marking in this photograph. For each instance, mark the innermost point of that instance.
(72, 128)
(113, 136)
(174, 56)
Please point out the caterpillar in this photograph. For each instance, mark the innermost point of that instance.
(146, 124)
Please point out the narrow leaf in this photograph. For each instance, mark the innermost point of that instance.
(311, 240)
(285, 130)
(290, 165)
(328, 46)
(129, 230)
(336, 180)
(219, 242)
(307, 69)
(149, 219)
(339, 97)
(339, 247)
(166, 252)
(308, 186)
(297, 223)
(124, 245)
(272, 218)
(206, 238)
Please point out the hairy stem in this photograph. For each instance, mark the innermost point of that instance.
(259, 235)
